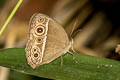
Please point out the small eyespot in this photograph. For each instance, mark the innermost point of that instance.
(41, 20)
(36, 55)
(40, 30)
(35, 49)
(39, 40)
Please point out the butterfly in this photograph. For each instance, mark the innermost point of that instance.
(47, 40)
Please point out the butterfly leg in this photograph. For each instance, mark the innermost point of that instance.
(61, 61)
(73, 50)
(73, 56)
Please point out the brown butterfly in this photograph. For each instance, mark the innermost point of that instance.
(47, 40)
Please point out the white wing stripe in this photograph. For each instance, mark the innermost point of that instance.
(44, 40)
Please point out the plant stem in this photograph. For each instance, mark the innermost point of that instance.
(10, 17)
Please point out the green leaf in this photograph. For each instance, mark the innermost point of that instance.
(87, 68)
(14, 75)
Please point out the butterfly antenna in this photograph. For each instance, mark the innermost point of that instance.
(79, 30)
(73, 28)
(72, 41)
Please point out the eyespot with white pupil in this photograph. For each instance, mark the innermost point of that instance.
(40, 30)
(36, 55)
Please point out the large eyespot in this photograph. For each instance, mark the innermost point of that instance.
(40, 30)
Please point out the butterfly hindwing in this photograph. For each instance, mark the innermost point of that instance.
(37, 39)
(47, 40)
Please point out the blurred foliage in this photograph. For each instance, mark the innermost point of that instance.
(2, 3)
(14, 75)
(19, 76)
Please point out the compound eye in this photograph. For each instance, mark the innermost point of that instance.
(40, 30)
